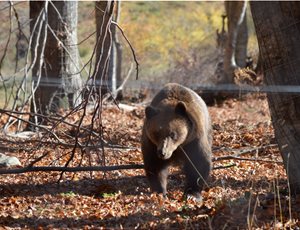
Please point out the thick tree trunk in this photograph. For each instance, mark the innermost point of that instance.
(104, 12)
(277, 27)
(55, 55)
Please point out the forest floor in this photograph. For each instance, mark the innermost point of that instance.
(252, 192)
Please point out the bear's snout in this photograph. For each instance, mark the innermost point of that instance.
(160, 154)
(163, 154)
(165, 149)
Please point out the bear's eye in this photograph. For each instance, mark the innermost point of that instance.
(173, 135)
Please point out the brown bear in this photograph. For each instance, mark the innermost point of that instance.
(177, 130)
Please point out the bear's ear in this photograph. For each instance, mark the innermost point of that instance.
(180, 108)
(150, 112)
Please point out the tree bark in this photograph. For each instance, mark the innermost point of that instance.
(242, 42)
(115, 62)
(236, 45)
(104, 12)
(277, 27)
(119, 48)
(54, 54)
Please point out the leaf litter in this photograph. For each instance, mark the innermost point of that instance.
(251, 194)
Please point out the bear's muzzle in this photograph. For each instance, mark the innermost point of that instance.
(166, 149)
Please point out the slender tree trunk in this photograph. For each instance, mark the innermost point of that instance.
(242, 43)
(277, 27)
(118, 47)
(115, 62)
(236, 45)
(54, 54)
(104, 12)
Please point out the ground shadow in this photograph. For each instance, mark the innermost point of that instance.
(88, 187)
(139, 220)
(127, 185)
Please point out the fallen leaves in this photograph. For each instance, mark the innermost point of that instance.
(122, 199)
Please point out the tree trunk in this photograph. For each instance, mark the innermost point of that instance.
(277, 27)
(115, 62)
(54, 54)
(104, 12)
(118, 47)
(236, 45)
(242, 42)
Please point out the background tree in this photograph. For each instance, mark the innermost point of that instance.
(235, 53)
(104, 12)
(277, 27)
(115, 63)
(54, 54)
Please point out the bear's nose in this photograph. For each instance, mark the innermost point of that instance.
(160, 153)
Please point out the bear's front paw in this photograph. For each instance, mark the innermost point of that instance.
(193, 195)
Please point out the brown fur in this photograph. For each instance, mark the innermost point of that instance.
(177, 123)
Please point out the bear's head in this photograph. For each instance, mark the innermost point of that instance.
(167, 127)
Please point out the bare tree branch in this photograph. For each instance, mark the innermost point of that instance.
(239, 152)
(80, 139)
(69, 169)
(131, 48)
